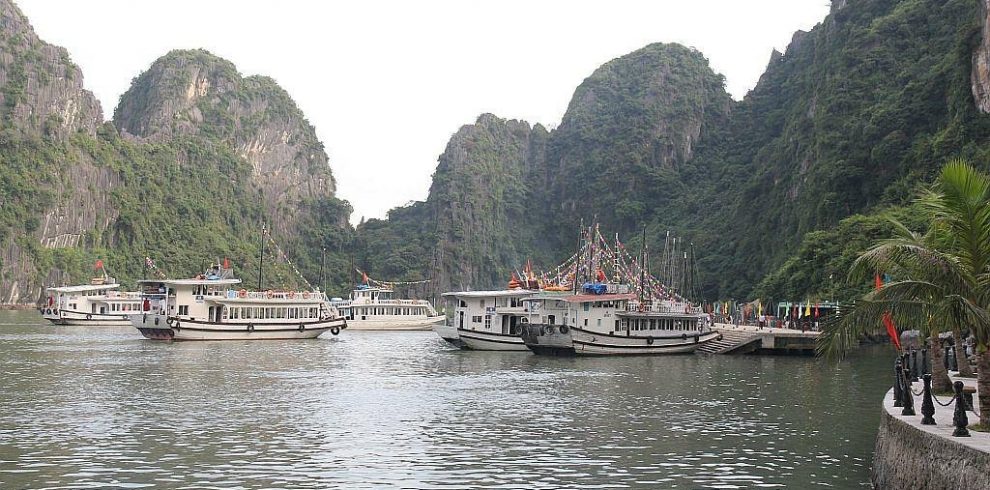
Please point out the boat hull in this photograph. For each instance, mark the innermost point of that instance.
(448, 333)
(395, 323)
(475, 340)
(561, 340)
(81, 319)
(161, 327)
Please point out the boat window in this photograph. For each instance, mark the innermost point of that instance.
(463, 304)
(488, 321)
(653, 324)
(617, 324)
(587, 306)
(552, 319)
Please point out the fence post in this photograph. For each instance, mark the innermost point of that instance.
(898, 396)
(908, 395)
(927, 407)
(959, 418)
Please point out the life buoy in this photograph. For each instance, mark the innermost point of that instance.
(547, 330)
(242, 293)
(250, 328)
(683, 336)
(305, 295)
(649, 340)
(270, 294)
(302, 327)
(334, 330)
(292, 294)
(563, 329)
(89, 316)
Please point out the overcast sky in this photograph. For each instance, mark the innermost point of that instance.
(387, 83)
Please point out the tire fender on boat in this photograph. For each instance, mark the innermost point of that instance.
(250, 327)
(547, 330)
(89, 316)
(302, 327)
(649, 340)
(563, 329)
(334, 330)
(176, 325)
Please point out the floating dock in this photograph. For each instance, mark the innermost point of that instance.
(746, 339)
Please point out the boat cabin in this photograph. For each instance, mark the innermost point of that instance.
(104, 298)
(498, 312)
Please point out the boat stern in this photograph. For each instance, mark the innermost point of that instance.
(552, 340)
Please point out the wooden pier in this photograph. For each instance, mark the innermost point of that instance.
(746, 339)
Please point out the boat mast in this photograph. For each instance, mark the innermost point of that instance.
(642, 268)
(663, 260)
(577, 261)
(261, 262)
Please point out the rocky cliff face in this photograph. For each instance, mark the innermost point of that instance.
(482, 198)
(630, 128)
(980, 75)
(480, 218)
(194, 93)
(43, 90)
(55, 193)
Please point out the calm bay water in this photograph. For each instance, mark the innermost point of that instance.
(104, 408)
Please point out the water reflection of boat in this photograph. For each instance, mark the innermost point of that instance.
(210, 307)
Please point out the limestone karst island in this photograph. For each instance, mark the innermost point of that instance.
(637, 253)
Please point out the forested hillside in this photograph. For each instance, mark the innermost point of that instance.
(204, 158)
(777, 192)
(853, 118)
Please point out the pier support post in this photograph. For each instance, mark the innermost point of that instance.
(908, 408)
(959, 418)
(898, 396)
(927, 406)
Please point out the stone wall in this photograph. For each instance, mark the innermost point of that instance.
(907, 456)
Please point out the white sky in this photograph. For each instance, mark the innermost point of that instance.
(386, 83)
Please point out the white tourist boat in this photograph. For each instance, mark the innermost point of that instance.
(211, 306)
(606, 319)
(99, 303)
(375, 308)
(487, 320)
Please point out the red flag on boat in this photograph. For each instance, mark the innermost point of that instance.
(816, 311)
(98, 264)
(601, 275)
(226, 263)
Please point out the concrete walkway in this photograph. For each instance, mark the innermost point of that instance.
(943, 416)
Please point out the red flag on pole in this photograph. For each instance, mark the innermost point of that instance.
(98, 264)
(888, 319)
(888, 322)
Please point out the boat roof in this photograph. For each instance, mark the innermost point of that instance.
(83, 287)
(190, 282)
(489, 294)
(583, 298)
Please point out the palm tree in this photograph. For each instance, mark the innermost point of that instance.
(943, 276)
